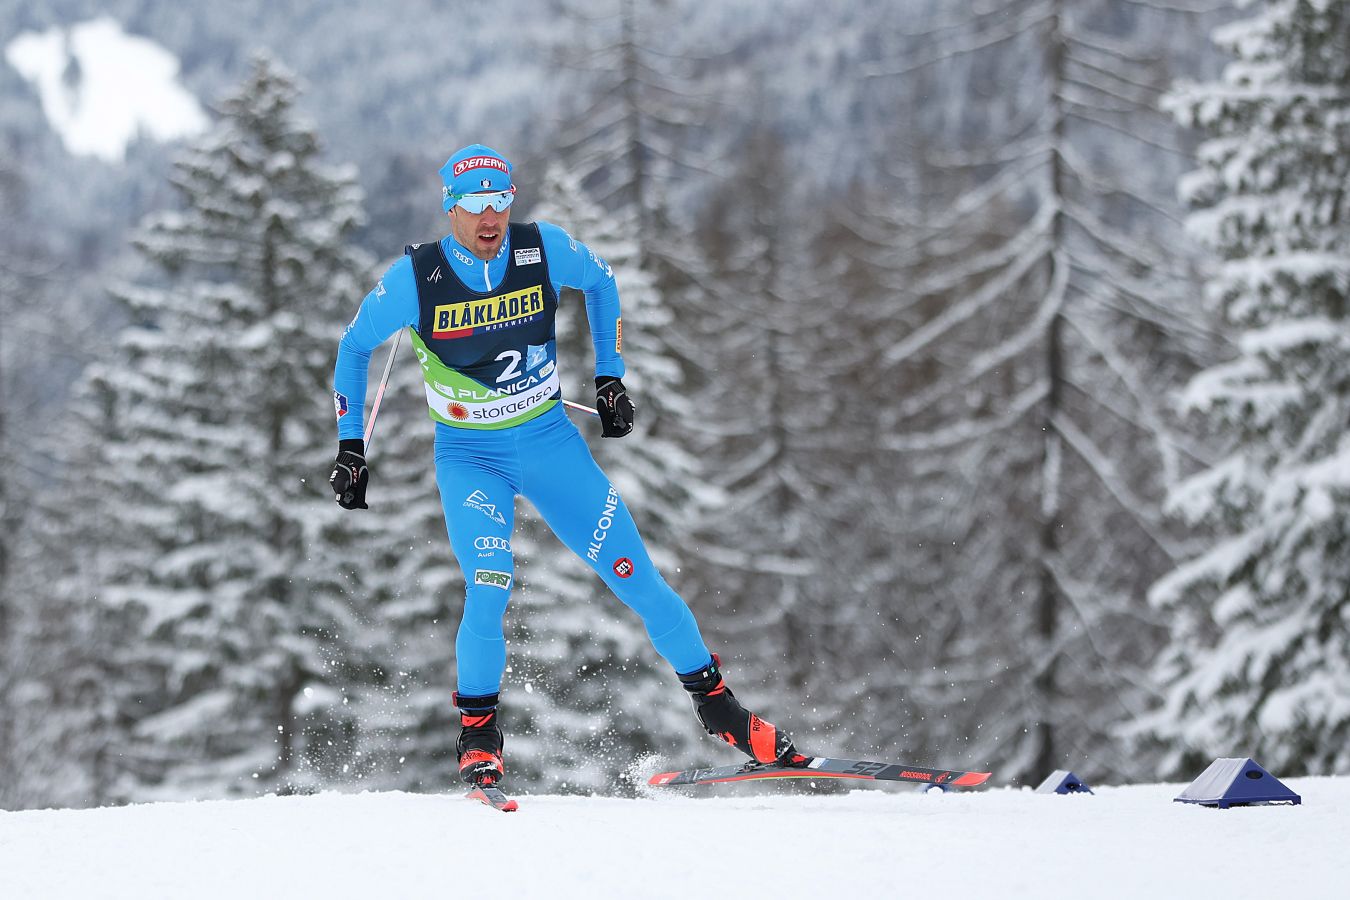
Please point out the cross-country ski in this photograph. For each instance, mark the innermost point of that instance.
(823, 767)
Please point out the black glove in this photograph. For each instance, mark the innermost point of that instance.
(350, 475)
(615, 409)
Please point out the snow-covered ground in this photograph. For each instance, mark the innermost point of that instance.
(748, 841)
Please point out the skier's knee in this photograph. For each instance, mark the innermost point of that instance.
(485, 605)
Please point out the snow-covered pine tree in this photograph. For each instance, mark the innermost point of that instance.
(237, 594)
(776, 330)
(623, 149)
(67, 646)
(1260, 656)
(14, 611)
(1038, 321)
(52, 724)
(9, 606)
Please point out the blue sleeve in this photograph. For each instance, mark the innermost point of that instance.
(390, 306)
(573, 264)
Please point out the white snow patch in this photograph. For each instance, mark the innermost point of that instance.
(1121, 842)
(100, 87)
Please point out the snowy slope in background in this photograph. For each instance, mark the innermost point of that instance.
(1126, 842)
(101, 87)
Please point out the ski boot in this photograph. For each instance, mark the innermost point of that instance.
(723, 717)
(480, 740)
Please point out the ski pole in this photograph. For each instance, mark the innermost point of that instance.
(579, 408)
(384, 382)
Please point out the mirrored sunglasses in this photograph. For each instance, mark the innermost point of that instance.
(477, 203)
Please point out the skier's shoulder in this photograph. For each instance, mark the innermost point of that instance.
(555, 239)
(397, 287)
(401, 267)
(397, 276)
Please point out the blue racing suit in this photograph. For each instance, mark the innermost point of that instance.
(483, 332)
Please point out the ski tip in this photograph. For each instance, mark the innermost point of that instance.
(493, 798)
(661, 778)
(970, 779)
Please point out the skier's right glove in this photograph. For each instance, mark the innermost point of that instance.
(350, 475)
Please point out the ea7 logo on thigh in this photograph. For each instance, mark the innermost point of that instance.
(493, 579)
(479, 501)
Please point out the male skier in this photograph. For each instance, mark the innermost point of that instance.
(480, 306)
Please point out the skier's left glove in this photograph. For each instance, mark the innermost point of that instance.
(615, 408)
(350, 475)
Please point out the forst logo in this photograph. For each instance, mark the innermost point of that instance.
(493, 579)
(623, 567)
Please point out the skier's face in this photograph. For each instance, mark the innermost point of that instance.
(481, 232)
